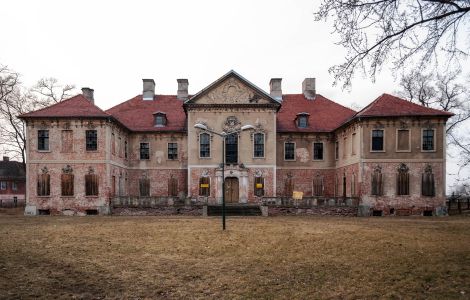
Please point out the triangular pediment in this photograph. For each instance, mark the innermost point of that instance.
(232, 88)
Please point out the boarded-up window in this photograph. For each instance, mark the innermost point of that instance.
(173, 187)
(91, 185)
(427, 182)
(113, 143)
(43, 140)
(288, 187)
(403, 140)
(403, 180)
(204, 186)
(259, 186)
(377, 182)
(144, 187)
(66, 183)
(67, 140)
(44, 185)
(318, 186)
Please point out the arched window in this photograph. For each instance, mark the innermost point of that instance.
(204, 145)
(44, 183)
(403, 180)
(66, 181)
(258, 145)
(377, 182)
(427, 182)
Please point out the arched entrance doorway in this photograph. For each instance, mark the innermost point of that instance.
(231, 190)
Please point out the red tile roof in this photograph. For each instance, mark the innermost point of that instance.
(138, 115)
(77, 106)
(324, 114)
(390, 106)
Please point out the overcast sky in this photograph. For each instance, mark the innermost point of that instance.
(111, 45)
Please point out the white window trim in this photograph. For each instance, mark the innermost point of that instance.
(434, 140)
(150, 152)
(210, 147)
(313, 151)
(284, 151)
(3, 183)
(409, 140)
(264, 146)
(384, 142)
(167, 152)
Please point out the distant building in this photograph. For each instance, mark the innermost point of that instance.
(12, 182)
(390, 156)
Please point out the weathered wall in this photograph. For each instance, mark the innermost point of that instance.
(303, 181)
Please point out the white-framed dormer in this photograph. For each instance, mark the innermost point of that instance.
(160, 119)
(426, 131)
(400, 131)
(374, 133)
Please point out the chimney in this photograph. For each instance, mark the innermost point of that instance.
(88, 93)
(308, 88)
(182, 89)
(149, 89)
(6, 158)
(275, 88)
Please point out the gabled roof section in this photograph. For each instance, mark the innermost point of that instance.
(324, 114)
(139, 115)
(258, 92)
(391, 106)
(77, 106)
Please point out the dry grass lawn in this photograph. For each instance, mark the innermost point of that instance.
(279, 257)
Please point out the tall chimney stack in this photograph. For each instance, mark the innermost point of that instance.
(182, 89)
(308, 88)
(88, 93)
(275, 88)
(148, 89)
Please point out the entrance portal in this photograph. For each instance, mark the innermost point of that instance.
(231, 190)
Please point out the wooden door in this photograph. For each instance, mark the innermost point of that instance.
(231, 190)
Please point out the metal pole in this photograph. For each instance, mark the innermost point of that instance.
(223, 182)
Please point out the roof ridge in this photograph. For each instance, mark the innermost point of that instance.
(416, 104)
(52, 105)
(336, 103)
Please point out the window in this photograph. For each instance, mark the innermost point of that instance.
(204, 145)
(427, 182)
(119, 146)
(144, 187)
(144, 151)
(67, 141)
(336, 150)
(91, 140)
(44, 185)
(289, 151)
(172, 187)
(91, 185)
(125, 149)
(403, 180)
(204, 186)
(318, 185)
(428, 140)
(403, 140)
(172, 151)
(377, 182)
(3, 185)
(302, 121)
(66, 183)
(43, 140)
(353, 185)
(353, 144)
(317, 151)
(259, 186)
(160, 120)
(113, 143)
(231, 149)
(14, 186)
(258, 140)
(377, 140)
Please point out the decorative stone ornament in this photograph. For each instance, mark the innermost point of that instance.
(402, 168)
(67, 169)
(428, 169)
(231, 124)
(44, 170)
(91, 170)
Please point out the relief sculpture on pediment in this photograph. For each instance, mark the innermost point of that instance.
(230, 91)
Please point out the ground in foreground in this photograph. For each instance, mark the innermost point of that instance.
(279, 257)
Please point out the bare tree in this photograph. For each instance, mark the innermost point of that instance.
(419, 33)
(15, 99)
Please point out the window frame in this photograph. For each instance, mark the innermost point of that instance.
(14, 186)
(97, 181)
(302, 117)
(45, 138)
(200, 189)
(162, 116)
(140, 150)
(371, 141)
(409, 139)
(254, 145)
(210, 146)
(295, 147)
(261, 190)
(337, 150)
(3, 185)
(168, 151)
(87, 144)
(434, 139)
(322, 151)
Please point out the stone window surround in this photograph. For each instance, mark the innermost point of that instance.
(323, 150)
(48, 141)
(409, 140)
(295, 147)
(168, 151)
(264, 146)
(210, 146)
(383, 140)
(140, 150)
(434, 139)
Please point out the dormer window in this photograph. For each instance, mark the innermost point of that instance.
(302, 120)
(160, 119)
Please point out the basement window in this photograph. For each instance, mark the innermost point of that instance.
(427, 213)
(377, 213)
(44, 212)
(91, 212)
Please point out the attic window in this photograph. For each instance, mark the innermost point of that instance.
(160, 119)
(302, 120)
